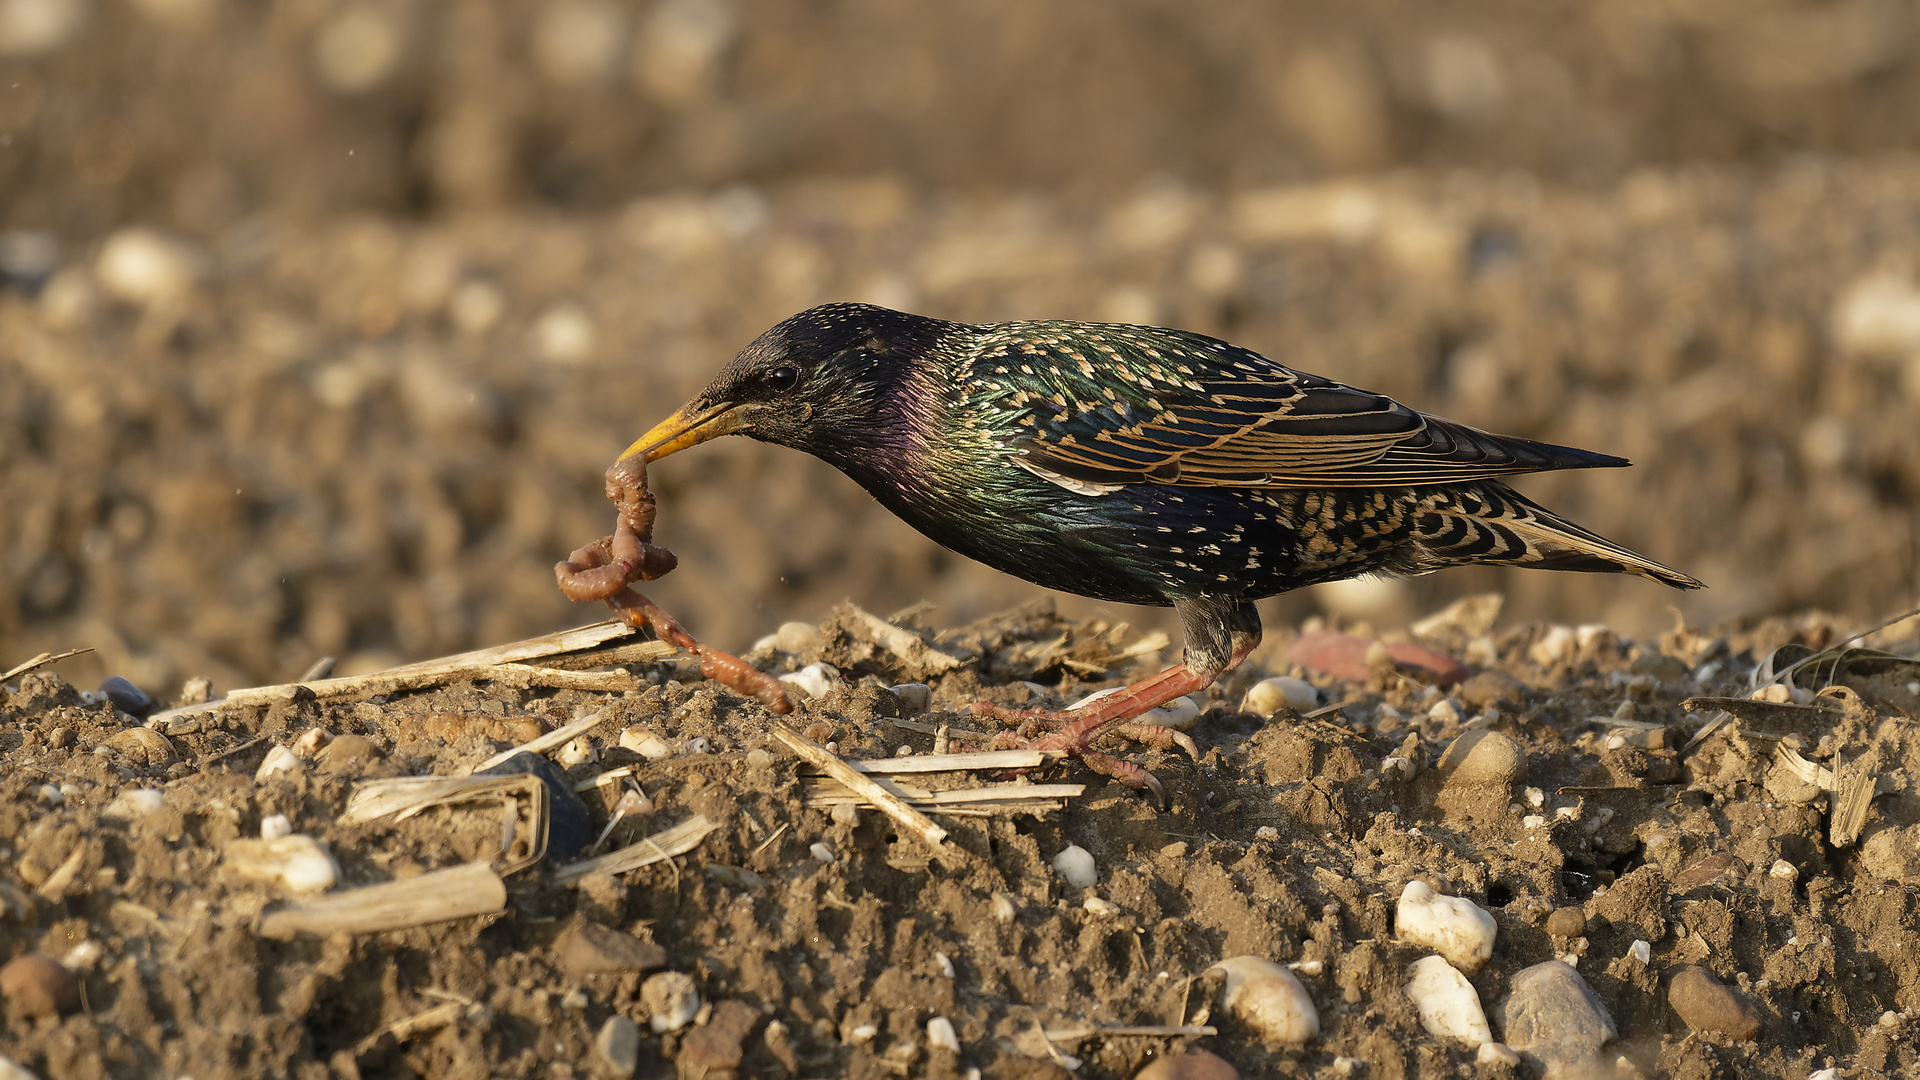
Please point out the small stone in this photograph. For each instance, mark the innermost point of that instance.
(279, 760)
(845, 813)
(1707, 1004)
(297, 863)
(1105, 909)
(1192, 1065)
(136, 803)
(1483, 759)
(587, 948)
(1267, 998)
(671, 1000)
(645, 743)
(143, 746)
(1449, 1006)
(822, 851)
(1075, 866)
(1559, 645)
(941, 1036)
(714, 1047)
(1454, 927)
(1179, 714)
(126, 697)
(1494, 1053)
(758, 758)
(1492, 687)
(814, 680)
(1004, 909)
(141, 266)
(1269, 696)
(616, 1050)
(793, 637)
(1567, 922)
(914, 697)
(1175, 850)
(39, 986)
(275, 826)
(348, 755)
(1553, 1018)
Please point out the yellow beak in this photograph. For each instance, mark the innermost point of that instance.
(687, 428)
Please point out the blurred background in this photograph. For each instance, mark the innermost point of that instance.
(320, 320)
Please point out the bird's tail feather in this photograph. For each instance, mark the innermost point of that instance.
(1492, 523)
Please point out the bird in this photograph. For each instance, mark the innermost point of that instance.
(1139, 465)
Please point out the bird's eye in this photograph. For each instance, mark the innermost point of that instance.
(783, 379)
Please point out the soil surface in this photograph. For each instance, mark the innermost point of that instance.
(823, 943)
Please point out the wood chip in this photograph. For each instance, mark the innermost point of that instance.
(888, 803)
(458, 892)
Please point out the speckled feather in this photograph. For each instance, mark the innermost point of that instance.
(1147, 465)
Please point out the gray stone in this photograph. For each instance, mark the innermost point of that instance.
(1554, 1019)
(616, 1050)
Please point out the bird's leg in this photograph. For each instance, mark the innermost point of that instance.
(1220, 633)
(603, 569)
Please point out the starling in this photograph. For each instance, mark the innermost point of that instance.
(1139, 465)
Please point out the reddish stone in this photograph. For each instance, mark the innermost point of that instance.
(1344, 656)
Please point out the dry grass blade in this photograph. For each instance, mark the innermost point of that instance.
(406, 796)
(557, 737)
(41, 661)
(659, 847)
(902, 642)
(1853, 790)
(890, 804)
(582, 647)
(987, 759)
(454, 893)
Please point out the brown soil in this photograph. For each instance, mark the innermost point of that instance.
(1288, 839)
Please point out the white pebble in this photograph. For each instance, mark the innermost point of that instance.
(137, 803)
(1640, 951)
(298, 863)
(645, 743)
(82, 957)
(1310, 968)
(914, 697)
(814, 680)
(946, 964)
(822, 851)
(311, 742)
(1557, 646)
(1493, 1053)
(671, 1000)
(1266, 832)
(1105, 909)
(1075, 865)
(1444, 711)
(1449, 1007)
(1269, 696)
(1403, 766)
(141, 266)
(275, 826)
(1536, 798)
(1783, 869)
(279, 760)
(862, 1033)
(1532, 822)
(1455, 928)
(1178, 714)
(941, 1036)
(1004, 909)
(577, 752)
(845, 813)
(51, 795)
(1267, 998)
(758, 758)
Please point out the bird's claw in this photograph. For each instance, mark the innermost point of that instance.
(1027, 723)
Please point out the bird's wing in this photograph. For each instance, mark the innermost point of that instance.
(1101, 406)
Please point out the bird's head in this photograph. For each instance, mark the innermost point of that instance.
(818, 382)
